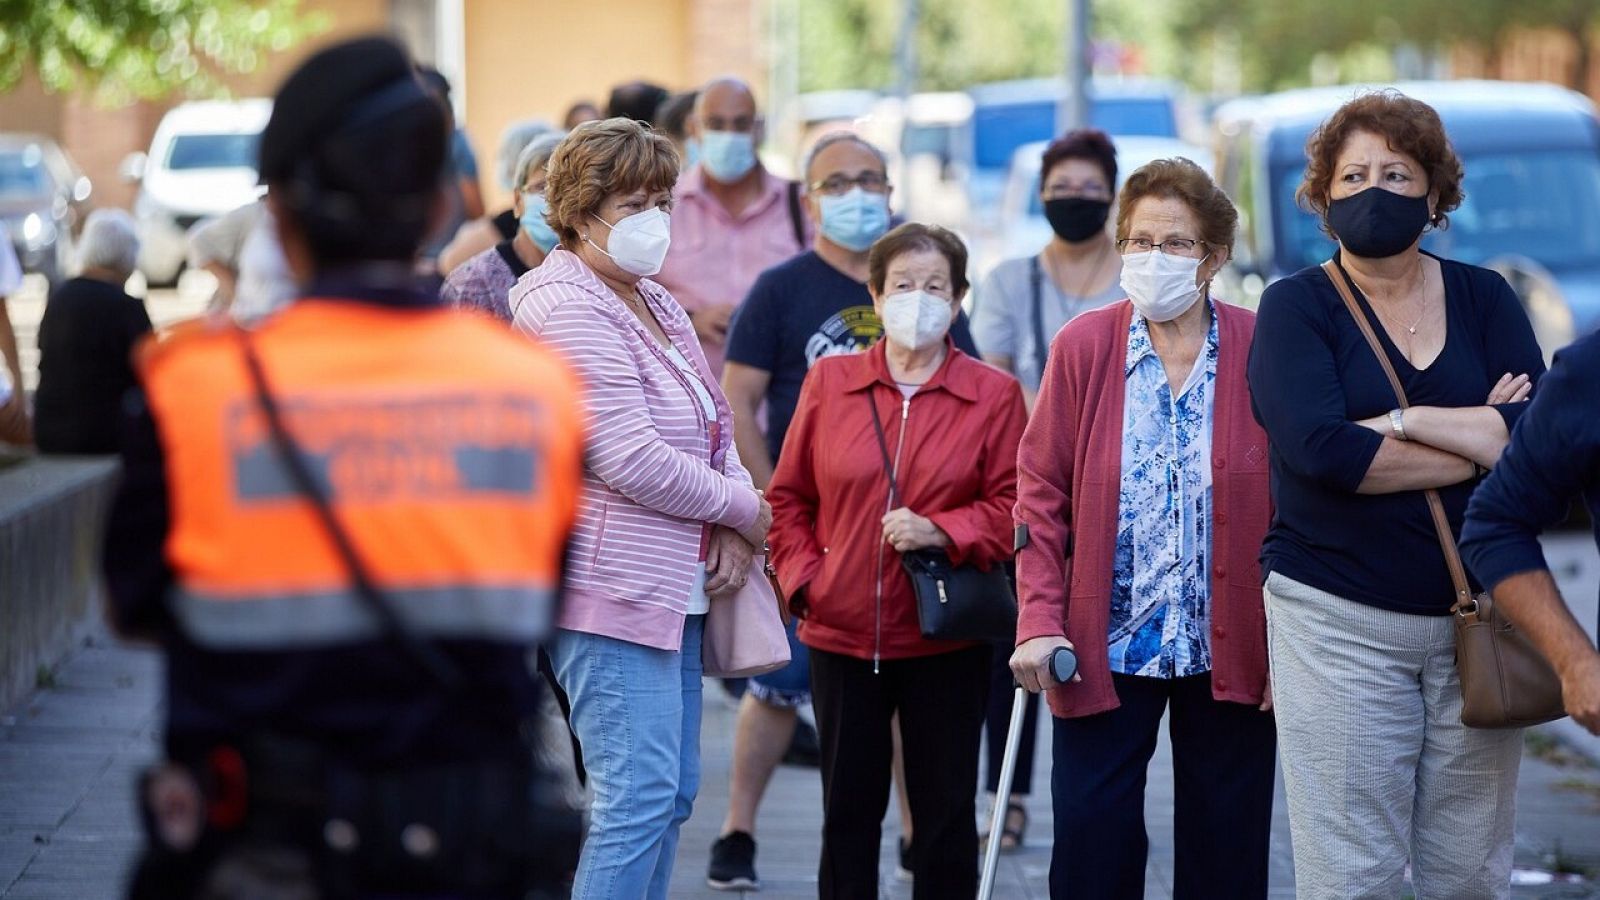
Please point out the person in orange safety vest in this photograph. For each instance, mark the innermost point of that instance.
(345, 529)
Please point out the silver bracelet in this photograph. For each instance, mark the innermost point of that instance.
(1397, 424)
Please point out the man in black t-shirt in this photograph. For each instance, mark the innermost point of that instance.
(798, 312)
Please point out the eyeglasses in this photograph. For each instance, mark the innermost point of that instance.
(871, 182)
(1170, 246)
(1086, 191)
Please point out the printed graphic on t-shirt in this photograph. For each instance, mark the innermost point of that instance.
(850, 330)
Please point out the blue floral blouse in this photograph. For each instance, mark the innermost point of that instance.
(1160, 593)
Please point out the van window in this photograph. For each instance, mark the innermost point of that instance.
(212, 151)
(21, 174)
(1532, 203)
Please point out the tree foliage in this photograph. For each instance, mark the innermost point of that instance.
(144, 48)
(1261, 44)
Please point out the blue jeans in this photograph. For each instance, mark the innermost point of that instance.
(636, 711)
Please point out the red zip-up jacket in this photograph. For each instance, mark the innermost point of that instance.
(958, 467)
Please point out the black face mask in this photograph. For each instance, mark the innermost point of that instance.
(1076, 219)
(1378, 223)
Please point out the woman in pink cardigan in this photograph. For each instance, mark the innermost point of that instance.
(668, 518)
(1142, 485)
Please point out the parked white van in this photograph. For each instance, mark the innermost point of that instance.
(202, 162)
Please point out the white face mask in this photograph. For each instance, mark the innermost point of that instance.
(638, 242)
(916, 320)
(1162, 287)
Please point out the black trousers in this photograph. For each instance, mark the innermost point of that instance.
(1224, 762)
(997, 721)
(940, 700)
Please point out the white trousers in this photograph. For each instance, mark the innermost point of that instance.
(1377, 766)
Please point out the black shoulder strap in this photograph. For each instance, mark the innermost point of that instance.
(1041, 350)
(796, 216)
(883, 448)
(438, 666)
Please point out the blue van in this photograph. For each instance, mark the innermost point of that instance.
(1531, 154)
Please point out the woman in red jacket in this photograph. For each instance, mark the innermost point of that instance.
(1143, 485)
(951, 423)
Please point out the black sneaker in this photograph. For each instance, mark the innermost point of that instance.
(733, 863)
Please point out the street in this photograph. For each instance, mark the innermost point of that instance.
(69, 755)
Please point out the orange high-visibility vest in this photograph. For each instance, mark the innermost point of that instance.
(450, 449)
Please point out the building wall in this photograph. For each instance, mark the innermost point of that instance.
(534, 58)
(1528, 54)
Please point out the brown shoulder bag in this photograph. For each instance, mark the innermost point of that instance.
(1505, 682)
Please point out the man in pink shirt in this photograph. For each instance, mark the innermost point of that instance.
(732, 220)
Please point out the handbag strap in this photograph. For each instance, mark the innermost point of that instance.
(1041, 349)
(438, 666)
(1464, 605)
(883, 449)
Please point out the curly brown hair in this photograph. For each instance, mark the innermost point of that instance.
(1183, 180)
(1408, 125)
(601, 158)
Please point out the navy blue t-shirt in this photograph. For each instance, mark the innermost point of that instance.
(1313, 376)
(1554, 454)
(798, 312)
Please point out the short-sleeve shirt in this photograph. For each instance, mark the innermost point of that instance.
(1002, 315)
(798, 312)
(715, 256)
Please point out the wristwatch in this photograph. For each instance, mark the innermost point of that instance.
(1397, 424)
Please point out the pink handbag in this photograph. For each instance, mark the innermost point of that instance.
(744, 633)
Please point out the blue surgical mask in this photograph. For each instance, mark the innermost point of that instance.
(854, 219)
(691, 152)
(727, 155)
(533, 221)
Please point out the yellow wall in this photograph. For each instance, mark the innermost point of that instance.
(533, 58)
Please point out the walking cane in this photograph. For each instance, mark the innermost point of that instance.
(1063, 665)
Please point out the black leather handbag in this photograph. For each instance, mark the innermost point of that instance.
(954, 603)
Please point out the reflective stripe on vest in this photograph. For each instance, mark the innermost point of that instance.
(518, 614)
(449, 447)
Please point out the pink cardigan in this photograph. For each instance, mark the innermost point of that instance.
(650, 478)
(1069, 471)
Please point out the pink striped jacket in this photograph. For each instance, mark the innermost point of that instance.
(650, 484)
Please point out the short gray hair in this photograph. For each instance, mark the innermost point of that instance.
(516, 138)
(838, 137)
(534, 156)
(110, 241)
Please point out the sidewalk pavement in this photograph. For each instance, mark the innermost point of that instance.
(69, 755)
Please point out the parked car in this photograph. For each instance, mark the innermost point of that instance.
(42, 198)
(1023, 229)
(1532, 159)
(202, 162)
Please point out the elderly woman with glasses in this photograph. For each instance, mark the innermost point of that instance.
(1017, 309)
(1142, 489)
(484, 282)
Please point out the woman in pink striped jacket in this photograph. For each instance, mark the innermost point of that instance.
(668, 519)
